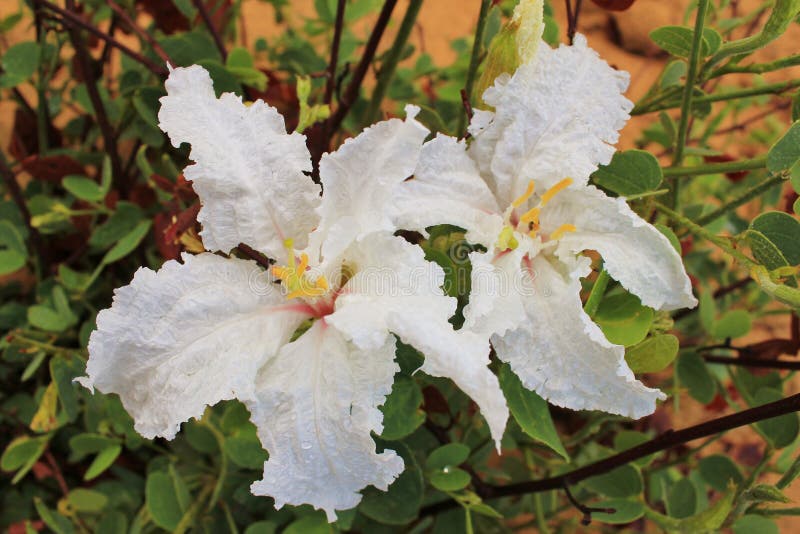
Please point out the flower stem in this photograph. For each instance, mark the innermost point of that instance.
(698, 230)
(686, 102)
(758, 68)
(475, 58)
(392, 58)
(714, 168)
(744, 198)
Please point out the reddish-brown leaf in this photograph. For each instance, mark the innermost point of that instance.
(51, 169)
(614, 5)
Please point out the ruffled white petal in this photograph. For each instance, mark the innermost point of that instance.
(634, 252)
(187, 336)
(359, 180)
(447, 188)
(555, 118)
(317, 403)
(396, 290)
(562, 355)
(248, 171)
(496, 299)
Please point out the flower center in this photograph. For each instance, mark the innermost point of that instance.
(294, 278)
(528, 222)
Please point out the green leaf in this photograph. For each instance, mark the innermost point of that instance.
(449, 479)
(88, 443)
(732, 324)
(781, 229)
(21, 454)
(623, 319)
(128, 243)
(200, 437)
(163, 502)
(766, 493)
(677, 40)
(627, 439)
(780, 431)
(449, 455)
(87, 501)
(632, 172)
(693, 373)
(63, 372)
(83, 188)
(19, 63)
(261, 527)
(682, 499)
(796, 106)
(401, 410)
(102, 461)
(718, 471)
(224, 80)
(786, 150)
(713, 39)
(315, 523)
(530, 411)
(190, 47)
(46, 318)
(624, 481)
(765, 251)
(754, 524)
(146, 103)
(55, 521)
(13, 254)
(244, 448)
(625, 511)
(121, 222)
(653, 354)
(400, 504)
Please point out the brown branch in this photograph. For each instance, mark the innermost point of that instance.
(330, 84)
(350, 94)
(57, 474)
(667, 440)
(19, 199)
(73, 21)
(201, 8)
(145, 36)
(572, 19)
(109, 136)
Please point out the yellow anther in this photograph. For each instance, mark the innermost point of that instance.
(531, 216)
(525, 196)
(533, 233)
(294, 276)
(561, 230)
(553, 191)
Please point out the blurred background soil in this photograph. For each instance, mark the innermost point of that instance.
(620, 38)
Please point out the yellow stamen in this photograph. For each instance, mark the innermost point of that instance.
(294, 276)
(533, 233)
(531, 216)
(525, 196)
(561, 230)
(553, 191)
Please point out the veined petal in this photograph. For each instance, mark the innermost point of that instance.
(562, 355)
(248, 171)
(187, 336)
(555, 118)
(634, 252)
(447, 188)
(497, 291)
(396, 290)
(316, 404)
(460, 355)
(359, 180)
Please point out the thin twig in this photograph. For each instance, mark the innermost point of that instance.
(71, 20)
(109, 136)
(338, 26)
(572, 19)
(145, 36)
(350, 94)
(253, 254)
(665, 441)
(474, 59)
(752, 362)
(201, 8)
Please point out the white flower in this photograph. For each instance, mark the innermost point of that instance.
(520, 189)
(214, 328)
